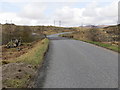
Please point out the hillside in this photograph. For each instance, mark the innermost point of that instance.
(28, 33)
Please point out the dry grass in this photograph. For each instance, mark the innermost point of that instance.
(36, 54)
(85, 38)
(24, 66)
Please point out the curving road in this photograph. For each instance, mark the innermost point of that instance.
(76, 64)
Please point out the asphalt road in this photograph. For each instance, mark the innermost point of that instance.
(76, 64)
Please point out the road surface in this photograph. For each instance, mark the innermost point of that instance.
(76, 64)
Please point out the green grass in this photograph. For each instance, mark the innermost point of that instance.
(33, 56)
(108, 46)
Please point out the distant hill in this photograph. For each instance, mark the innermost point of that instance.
(95, 26)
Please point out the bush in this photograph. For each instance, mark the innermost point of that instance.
(10, 32)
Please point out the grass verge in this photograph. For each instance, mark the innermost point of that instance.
(108, 46)
(36, 54)
(31, 61)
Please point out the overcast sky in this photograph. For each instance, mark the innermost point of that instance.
(70, 12)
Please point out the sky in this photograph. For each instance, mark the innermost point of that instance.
(69, 12)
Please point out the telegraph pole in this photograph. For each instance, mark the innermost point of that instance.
(59, 23)
(11, 21)
(54, 22)
(6, 21)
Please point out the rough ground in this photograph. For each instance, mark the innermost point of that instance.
(10, 53)
(16, 71)
(20, 73)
